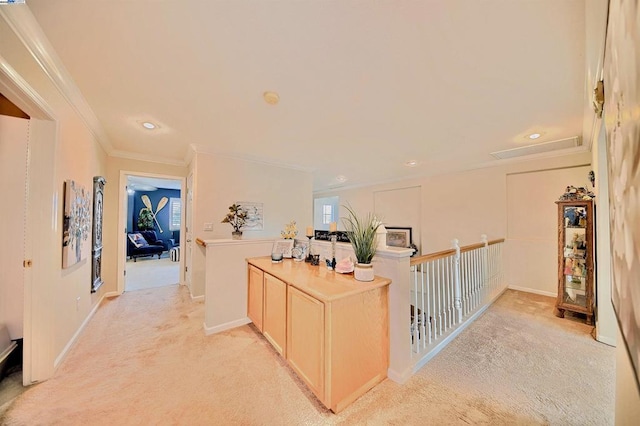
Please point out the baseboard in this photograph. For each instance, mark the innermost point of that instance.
(74, 338)
(111, 294)
(226, 326)
(400, 378)
(196, 298)
(533, 290)
(606, 340)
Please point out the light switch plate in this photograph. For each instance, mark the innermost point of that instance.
(208, 226)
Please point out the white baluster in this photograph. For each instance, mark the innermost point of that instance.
(456, 281)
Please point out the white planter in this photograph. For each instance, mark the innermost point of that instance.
(363, 272)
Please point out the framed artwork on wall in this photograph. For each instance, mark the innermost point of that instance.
(399, 236)
(96, 265)
(76, 223)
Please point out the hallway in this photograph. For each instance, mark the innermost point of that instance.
(145, 359)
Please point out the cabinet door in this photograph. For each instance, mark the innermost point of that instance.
(305, 339)
(254, 301)
(275, 312)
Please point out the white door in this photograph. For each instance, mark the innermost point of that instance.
(188, 239)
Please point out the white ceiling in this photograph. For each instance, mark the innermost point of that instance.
(364, 85)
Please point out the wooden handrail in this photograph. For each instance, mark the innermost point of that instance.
(200, 242)
(432, 256)
(471, 247)
(445, 253)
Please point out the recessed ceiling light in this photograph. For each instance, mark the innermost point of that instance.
(411, 163)
(149, 125)
(534, 135)
(341, 178)
(271, 98)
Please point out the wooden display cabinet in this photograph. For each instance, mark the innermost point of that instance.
(575, 258)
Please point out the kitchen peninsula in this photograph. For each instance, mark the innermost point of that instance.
(332, 330)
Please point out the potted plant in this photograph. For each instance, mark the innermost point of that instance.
(145, 220)
(361, 232)
(236, 217)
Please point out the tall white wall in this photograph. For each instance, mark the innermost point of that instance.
(61, 298)
(13, 166)
(467, 204)
(286, 195)
(532, 229)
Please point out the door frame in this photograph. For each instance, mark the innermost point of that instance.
(122, 222)
(41, 204)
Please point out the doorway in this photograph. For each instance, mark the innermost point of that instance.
(152, 207)
(153, 226)
(38, 234)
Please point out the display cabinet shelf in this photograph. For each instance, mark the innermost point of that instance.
(575, 258)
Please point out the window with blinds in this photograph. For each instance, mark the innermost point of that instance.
(175, 205)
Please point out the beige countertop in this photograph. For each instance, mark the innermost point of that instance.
(316, 281)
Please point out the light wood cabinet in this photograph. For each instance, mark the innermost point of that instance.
(305, 339)
(575, 258)
(332, 330)
(254, 300)
(274, 320)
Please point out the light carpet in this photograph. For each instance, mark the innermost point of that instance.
(144, 359)
(151, 272)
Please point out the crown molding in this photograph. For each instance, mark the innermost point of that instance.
(24, 25)
(146, 157)
(22, 94)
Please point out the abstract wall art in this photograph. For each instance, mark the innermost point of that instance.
(76, 225)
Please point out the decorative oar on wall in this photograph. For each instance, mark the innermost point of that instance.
(147, 203)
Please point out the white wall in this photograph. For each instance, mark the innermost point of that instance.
(401, 207)
(532, 230)
(222, 181)
(13, 167)
(467, 204)
(60, 300)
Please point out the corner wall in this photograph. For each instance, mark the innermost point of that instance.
(286, 195)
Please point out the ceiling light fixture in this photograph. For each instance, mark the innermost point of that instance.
(534, 135)
(341, 178)
(411, 163)
(271, 98)
(149, 125)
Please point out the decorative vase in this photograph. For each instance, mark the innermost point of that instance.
(236, 235)
(363, 272)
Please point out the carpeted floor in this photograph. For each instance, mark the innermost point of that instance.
(144, 359)
(151, 272)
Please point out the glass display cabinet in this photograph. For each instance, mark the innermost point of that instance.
(575, 258)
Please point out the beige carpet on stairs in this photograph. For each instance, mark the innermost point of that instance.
(144, 360)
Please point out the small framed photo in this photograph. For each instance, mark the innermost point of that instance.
(283, 246)
(399, 236)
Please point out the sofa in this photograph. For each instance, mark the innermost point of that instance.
(144, 243)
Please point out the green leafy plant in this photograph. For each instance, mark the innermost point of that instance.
(236, 217)
(145, 219)
(361, 231)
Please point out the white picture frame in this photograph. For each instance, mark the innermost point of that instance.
(284, 247)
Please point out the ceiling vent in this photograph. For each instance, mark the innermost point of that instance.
(538, 148)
